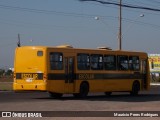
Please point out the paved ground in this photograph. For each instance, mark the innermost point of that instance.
(39, 101)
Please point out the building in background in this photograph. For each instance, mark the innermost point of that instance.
(154, 62)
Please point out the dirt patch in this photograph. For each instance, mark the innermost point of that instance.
(6, 83)
(6, 79)
(6, 86)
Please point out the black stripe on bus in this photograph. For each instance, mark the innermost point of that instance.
(103, 76)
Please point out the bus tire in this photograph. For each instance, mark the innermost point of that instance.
(135, 88)
(108, 93)
(55, 95)
(83, 91)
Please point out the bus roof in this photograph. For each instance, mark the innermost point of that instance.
(70, 47)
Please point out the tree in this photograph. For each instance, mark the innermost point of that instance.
(9, 72)
(2, 71)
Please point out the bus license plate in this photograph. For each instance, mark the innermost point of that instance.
(29, 79)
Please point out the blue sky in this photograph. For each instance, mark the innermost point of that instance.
(56, 22)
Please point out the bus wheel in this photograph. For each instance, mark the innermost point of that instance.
(108, 93)
(84, 89)
(55, 95)
(83, 92)
(135, 88)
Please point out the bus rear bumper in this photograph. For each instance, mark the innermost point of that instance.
(29, 87)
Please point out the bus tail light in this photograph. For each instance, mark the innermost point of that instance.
(14, 77)
(45, 77)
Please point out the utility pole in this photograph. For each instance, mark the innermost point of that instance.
(120, 25)
(120, 20)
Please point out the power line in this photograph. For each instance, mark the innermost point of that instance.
(125, 5)
(39, 11)
(52, 12)
(46, 26)
(142, 23)
(60, 13)
(144, 3)
(128, 9)
(153, 1)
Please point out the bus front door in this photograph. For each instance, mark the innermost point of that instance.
(69, 75)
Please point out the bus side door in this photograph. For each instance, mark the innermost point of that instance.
(69, 74)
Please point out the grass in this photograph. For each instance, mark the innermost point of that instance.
(6, 86)
(6, 83)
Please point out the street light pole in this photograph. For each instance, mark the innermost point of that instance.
(120, 25)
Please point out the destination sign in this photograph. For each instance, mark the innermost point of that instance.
(34, 76)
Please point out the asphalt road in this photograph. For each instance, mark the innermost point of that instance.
(31, 96)
(40, 101)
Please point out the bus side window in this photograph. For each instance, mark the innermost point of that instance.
(123, 62)
(83, 61)
(110, 62)
(39, 53)
(96, 62)
(134, 63)
(56, 61)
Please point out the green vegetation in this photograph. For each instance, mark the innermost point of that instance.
(2, 72)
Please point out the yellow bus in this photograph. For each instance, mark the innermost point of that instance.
(67, 70)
